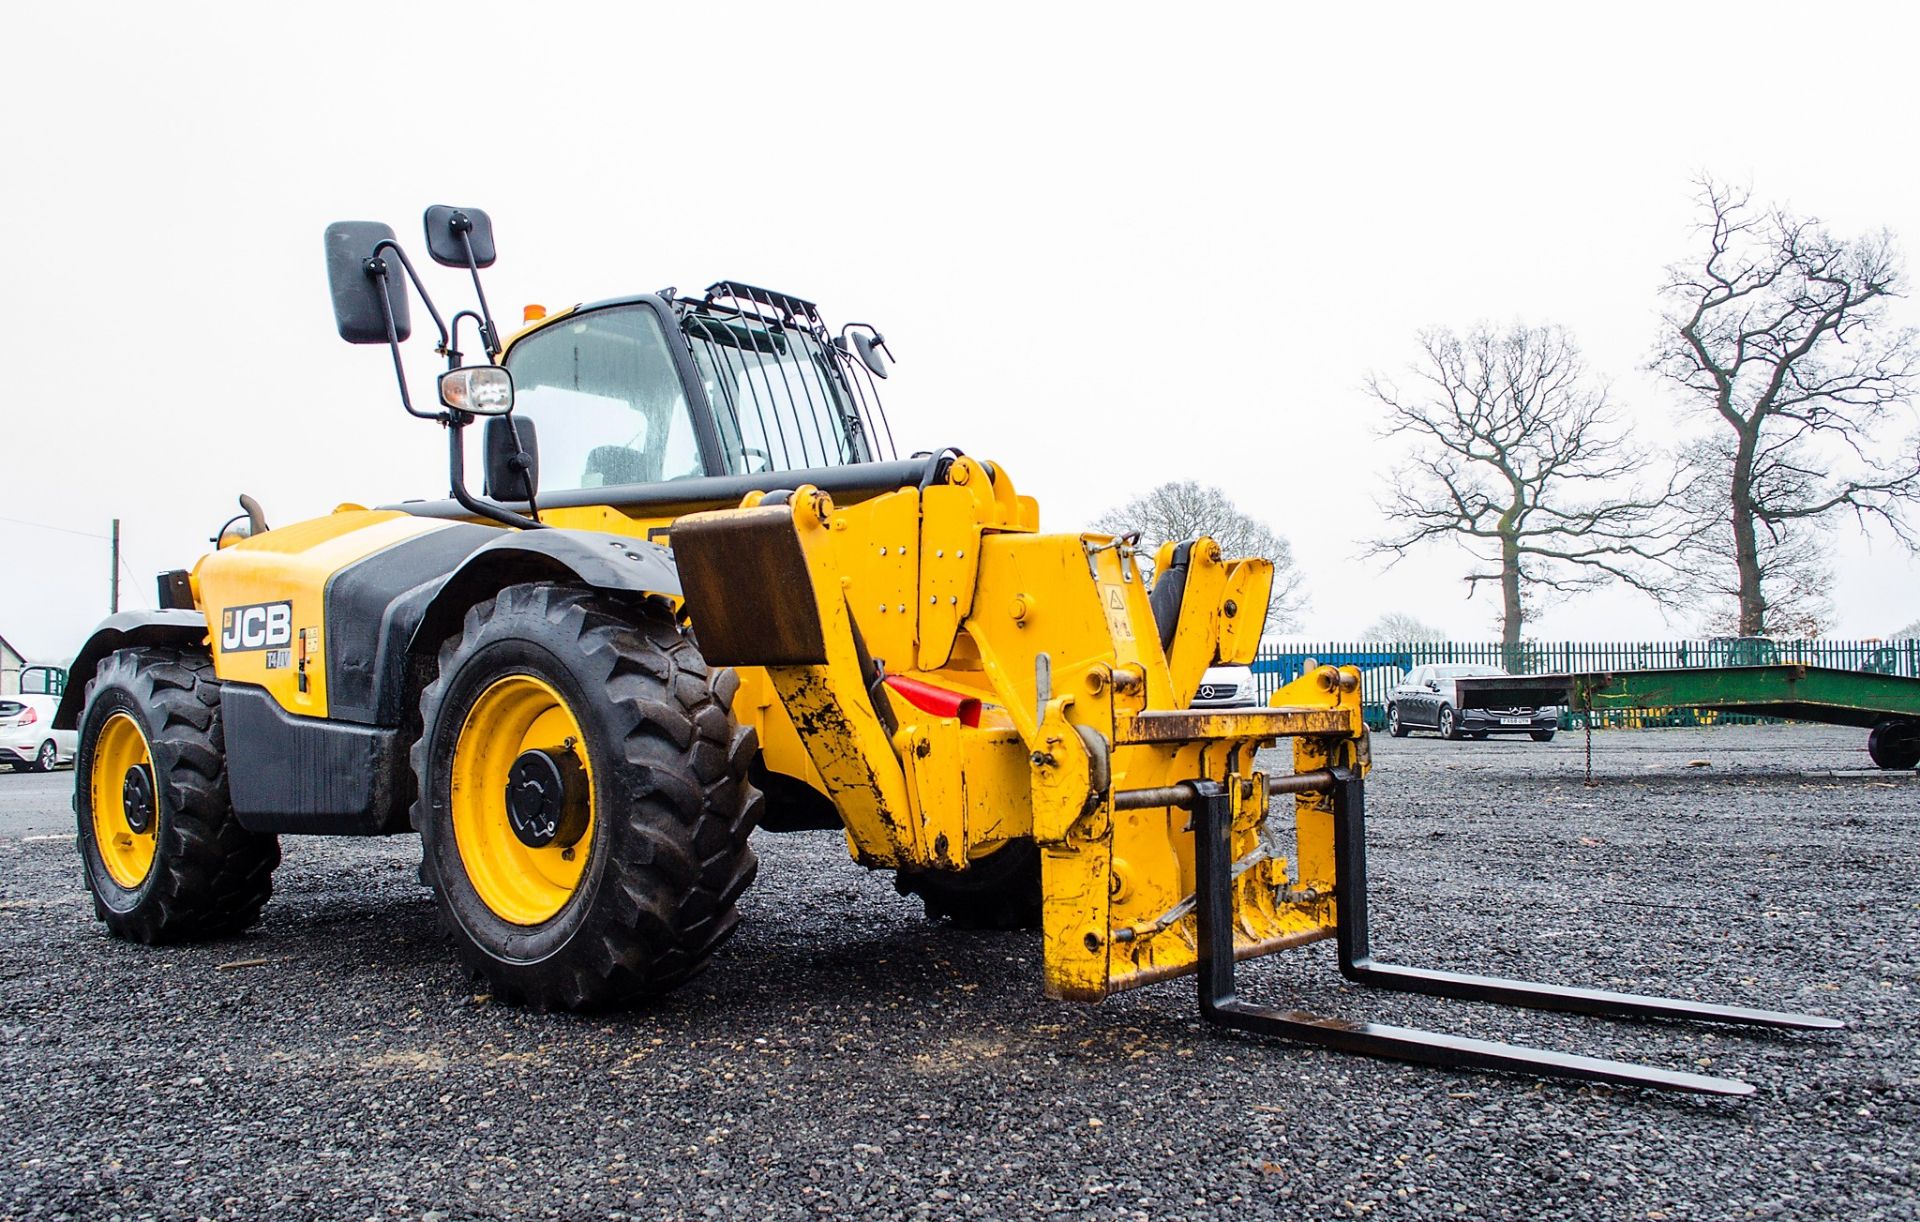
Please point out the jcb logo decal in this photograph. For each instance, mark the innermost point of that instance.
(261, 626)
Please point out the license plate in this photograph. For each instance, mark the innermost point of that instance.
(1516, 721)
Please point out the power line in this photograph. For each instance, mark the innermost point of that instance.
(133, 575)
(125, 564)
(65, 530)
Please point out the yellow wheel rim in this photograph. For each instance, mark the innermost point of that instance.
(125, 805)
(520, 883)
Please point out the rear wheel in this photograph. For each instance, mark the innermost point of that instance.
(1395, 726)
(999, 891)
(584, 805)
(1895, 745)
(45, 758)
(1449, 722)
(164, 856)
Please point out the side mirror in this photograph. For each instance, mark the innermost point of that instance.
(478, 390)
(232, 531)
(864, 344)
(512, 459)
(1433, 685)
(450, 231)
(362, 282)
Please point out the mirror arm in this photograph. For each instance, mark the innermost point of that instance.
(414, 276)
(879, 340)
(376, 266)
(521, 463)
(452, 352)
(456, 423)
(488, 336)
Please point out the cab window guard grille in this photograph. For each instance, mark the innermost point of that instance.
(786, 394)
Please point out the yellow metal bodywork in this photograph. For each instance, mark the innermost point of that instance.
(291, 565)
(1055, 635)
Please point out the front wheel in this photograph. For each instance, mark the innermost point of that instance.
(584, 805)
(164, 856)
(1395, 726)
(1449, 722)
(1542, 736)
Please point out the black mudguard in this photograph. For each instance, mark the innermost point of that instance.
(402, 602)
(123, 631)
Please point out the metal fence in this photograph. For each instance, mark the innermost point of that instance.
(1383, 666)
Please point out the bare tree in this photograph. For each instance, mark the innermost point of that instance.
(1519, 460)
(1187, 509)
(1792, 565)
(1910, 633)
(1778, 331)
(1399, 628)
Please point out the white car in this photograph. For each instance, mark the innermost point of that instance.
(28, 740)
(1226, 687)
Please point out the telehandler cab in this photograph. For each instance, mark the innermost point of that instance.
(701, 594)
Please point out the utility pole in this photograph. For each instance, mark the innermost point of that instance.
(115, 606)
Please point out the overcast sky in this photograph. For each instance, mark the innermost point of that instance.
(1109, 246)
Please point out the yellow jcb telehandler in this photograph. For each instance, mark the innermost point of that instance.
(701, 593)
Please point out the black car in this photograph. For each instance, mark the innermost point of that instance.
(1427, 700)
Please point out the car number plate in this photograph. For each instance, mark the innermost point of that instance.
(1516, 721)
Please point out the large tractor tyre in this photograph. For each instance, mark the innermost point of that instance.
(1894, 745)
(1449, 723)
(583, 805)
(999, 891)
(164, 856)
(1395, 726)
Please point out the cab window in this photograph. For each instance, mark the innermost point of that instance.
(602, 390)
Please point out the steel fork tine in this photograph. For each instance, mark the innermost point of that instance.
(1357, 962)
(1212, 818)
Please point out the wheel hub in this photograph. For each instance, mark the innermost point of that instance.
(547, 798)
(136, 799)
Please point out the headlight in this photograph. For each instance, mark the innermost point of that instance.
(479, 390)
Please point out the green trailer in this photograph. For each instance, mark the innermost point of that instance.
(1887, 706)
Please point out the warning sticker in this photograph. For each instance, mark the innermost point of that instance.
(1115, 602)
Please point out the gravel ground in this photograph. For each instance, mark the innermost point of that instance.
(844, 1057)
